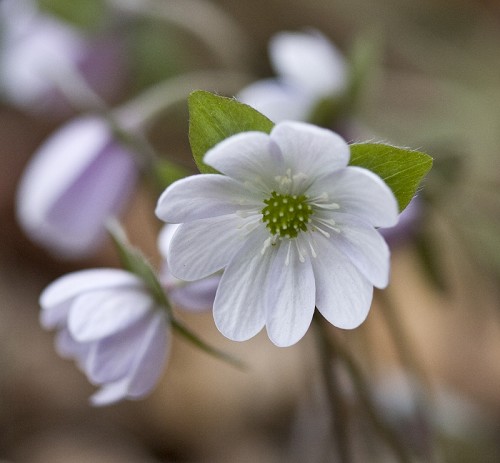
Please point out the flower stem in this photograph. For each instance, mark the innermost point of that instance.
(332, 349)
(141, 110)
(338, 407)
(222, 35)
(184, 331)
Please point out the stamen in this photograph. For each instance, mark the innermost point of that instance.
(301, 256)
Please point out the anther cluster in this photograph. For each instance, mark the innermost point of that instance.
(286, 215)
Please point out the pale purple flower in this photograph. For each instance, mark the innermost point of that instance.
(291, 224)
(110, 324)
(309, 68)
(36, 50)
(75, 181)
(189, 295)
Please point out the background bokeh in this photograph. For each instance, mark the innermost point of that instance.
(435, 86)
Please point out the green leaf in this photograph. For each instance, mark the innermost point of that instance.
(213, 118)
(401, 168)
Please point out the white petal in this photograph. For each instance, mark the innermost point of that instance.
(291, 295)
(205, 246)
(310, 61)
(98, 314)
(359, 192)
(239, 306)
(309, 149)
(146, 369)
(277, 100)
(364, 246)
(73, 284)
(343, 294)
(200, 197)
(249, 157)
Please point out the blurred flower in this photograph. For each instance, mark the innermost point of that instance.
(189, 295)
(110, 324)
(76, 180)
(37, 51)
(291, 225)
(309, 68)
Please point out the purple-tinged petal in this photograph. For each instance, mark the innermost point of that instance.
(111, 358)
(146, 369)
(200, 197)
(290, 296)
(310, 150)
(343, 294)
(98, 314)
(77, 179)
(73, 284)
(195, 295)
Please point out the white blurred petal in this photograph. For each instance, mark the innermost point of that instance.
(98, 314)
(310, 61)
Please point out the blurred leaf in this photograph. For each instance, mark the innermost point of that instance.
(363, 62)
(401, 168)
(213, 118)
(86, 14)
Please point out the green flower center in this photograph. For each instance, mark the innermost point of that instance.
(286, 215)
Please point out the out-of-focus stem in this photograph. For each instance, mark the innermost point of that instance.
(141, 110)
(225, 38)
(338, 408)
(329, 349)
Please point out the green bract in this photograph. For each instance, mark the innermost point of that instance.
(214, 118)
(401, 168)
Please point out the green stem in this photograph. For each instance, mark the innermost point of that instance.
(184, 331)
(141, 110)
(338, 408)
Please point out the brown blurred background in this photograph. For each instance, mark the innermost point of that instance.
(436, 88)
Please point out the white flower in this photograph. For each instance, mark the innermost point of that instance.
(309, 68)
(291, 225)
(189, 295)
(75, 181)
(110, 324)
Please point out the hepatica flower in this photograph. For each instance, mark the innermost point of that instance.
(309, 67)
(292, 226)
(109, 323)
(75, 181)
